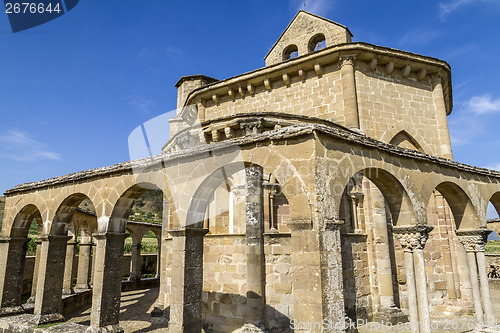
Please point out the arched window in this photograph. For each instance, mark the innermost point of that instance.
(317, 43)
(290, 52)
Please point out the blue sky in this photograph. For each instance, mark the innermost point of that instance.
(72, 90)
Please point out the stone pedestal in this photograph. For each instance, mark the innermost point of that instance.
(412, 240)
(187, 280)
(68, 268)
(83, 272)
(255, 269)
(50, 279)
(107, 282)
(12, 260)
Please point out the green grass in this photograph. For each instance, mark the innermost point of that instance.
(47, 325)
(493, 247)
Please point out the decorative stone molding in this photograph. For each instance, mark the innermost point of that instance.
(333, 224)
(473, 240)
(412, 237)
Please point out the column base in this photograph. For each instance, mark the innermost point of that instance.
(48, 318)
(82, 287)
(253, 328)
(106, 329)
(11, 310)
(68, 291)
(391, 315)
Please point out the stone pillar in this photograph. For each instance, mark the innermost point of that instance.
(135, 261)
(107, 282)
(50, 279)
(441, 116)
(158, 259)
(68, 267)
(307, 275)
(35, 270)
(474, 243)
(254, 212)
(162, 303)
(83, 272)
(347, 72)
(412, 240)
(13, 250)
(187, 279)
(332, 274)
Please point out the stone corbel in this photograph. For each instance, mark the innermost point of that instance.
(267, 84)
(318, 69)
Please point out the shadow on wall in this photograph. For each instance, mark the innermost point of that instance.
(224, 312)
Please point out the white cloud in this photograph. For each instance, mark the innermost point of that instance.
(19, 146)
(449, 7)
(494, 166)
(318, 7)
(483, 104)
(419, 37)
(141, 104)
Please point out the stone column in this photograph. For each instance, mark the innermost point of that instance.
(254, 212)
(441, 116)
(135, 261)
(50, 279)
(83, 272)
(107, 282)
(13, 250)
(474, 242)
(187, 279)
(412, 240)
(35, 270)
(68, 267)
(347, 72)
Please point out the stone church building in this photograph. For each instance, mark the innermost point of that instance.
(316, 191)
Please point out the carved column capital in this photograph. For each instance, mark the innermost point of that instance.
(346, 60)
(473, 240)
(412, 237)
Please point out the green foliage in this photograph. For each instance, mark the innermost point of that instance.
(31, 246)
(493, 247)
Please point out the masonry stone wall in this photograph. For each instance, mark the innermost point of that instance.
(318, 97)
(389, 100)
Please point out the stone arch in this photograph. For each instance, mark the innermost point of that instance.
(495, 201)
(400, 204)
(405, 140)
(406, 133)
(63, 215)
(464, 212)
(290, 52)
(124, 203)
(314, 42)
(291, 185)
(23, 219)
